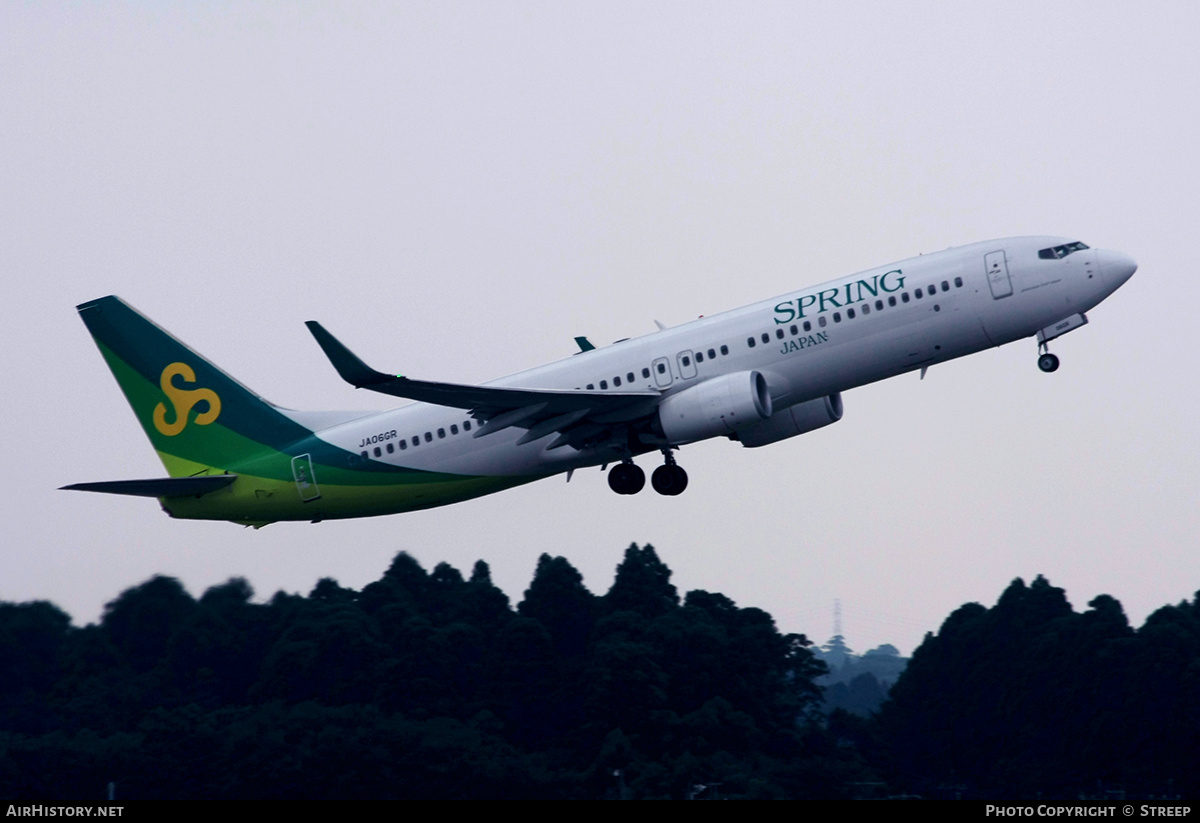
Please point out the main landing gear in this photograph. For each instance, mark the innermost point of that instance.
(626, 478)
(668, 479)
(1047, 362)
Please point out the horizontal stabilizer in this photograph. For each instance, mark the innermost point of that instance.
(162, 487)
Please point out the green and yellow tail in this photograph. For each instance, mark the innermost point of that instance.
(199, 419)
(232, 455)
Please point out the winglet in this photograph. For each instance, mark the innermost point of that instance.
(584, 345)
(353, 370)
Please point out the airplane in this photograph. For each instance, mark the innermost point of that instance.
(756, 375)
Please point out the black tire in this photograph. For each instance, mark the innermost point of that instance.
(1048, 362)
(626, 478)
(669, 480)
(618, 478)
(637, 479)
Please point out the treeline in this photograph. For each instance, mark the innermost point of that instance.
(421, 685)
(429, 685)
(1032, 699)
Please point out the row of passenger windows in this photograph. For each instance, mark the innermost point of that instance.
(403, 442)
(660, 366)
(685, 361)
(865, 308)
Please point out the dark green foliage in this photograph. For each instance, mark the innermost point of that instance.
(422, 685)
(1031, 699)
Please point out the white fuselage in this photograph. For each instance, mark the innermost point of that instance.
(808, 344)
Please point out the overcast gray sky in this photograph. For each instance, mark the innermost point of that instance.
(457, 190)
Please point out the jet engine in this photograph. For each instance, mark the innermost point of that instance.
(718, 406)
(794, 420)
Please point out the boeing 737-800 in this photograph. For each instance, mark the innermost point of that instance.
(757, 375)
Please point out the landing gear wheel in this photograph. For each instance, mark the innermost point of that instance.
(1048, 362)
(626, 478)
(669, 480)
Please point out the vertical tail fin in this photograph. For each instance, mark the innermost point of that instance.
(197, 417)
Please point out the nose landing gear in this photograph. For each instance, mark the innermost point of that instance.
(1047, 362)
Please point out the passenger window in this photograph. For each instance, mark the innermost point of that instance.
(958, 282)
(616, 382)
(807, 326)
(837, 317)
(724, 350)
(466, 425)
(403, 445)
(821, 321)
(441, 434)
(779, 333)
(591, 386)
(849, 314)
(416, 440)
(662, 367)
(645, 373)
(749, 342)
(699, 357)
(866, 308)
(365, 455)
(378, 452)
(878, 305)
(712, 355)
(932, 289)
(918, 294)
(795, 330)
(892, 300)
(945, 286)
(766, 337)
(904, 297)
(603, 384)
(390, 448)
(629, 377)
(454, 428)
(428, 437)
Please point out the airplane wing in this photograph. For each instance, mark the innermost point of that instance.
(576, 415)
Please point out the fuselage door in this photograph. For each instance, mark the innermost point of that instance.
(687, 365)
(996, 266)
(662, 372)
(306, 481)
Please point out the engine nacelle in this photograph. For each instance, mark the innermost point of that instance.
(794, 420)
(718, 406)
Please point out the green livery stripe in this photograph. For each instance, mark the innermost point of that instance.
(258, 500)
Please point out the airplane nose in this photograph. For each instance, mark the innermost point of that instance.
(1117, 267)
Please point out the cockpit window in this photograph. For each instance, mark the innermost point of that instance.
(1059, 252)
